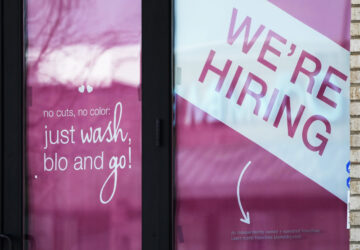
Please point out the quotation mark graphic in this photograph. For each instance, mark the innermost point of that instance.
(89, 89)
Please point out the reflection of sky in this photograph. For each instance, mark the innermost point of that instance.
(91, 64)
(70, 43)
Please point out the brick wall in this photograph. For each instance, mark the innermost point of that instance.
(355, 127)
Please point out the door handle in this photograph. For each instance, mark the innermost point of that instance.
(8, 241)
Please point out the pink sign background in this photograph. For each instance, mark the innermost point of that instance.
(290, 211)
(83, 57)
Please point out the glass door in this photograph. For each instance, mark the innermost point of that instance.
(262, 124)
(86, 125)
(83, 124)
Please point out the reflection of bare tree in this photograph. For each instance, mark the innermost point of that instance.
(59, 31)
(55, 19)
(56, 24)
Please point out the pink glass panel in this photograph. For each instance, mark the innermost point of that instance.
(83, 124)
(249, 175)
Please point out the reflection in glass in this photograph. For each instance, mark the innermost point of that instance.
(260, 156)
(83, 124)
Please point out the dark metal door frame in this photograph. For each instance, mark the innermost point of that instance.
(157, 100)
(12, 122)
(157, 125)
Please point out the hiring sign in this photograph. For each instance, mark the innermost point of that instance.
(275, 79)
(272, 79)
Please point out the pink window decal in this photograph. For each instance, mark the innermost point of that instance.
(83, 124)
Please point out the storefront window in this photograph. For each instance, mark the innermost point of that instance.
(83, 124)
(262, 127)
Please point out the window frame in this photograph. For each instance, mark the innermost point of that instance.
(158, 194)
(12, 121)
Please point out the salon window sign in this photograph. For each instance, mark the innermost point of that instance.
(262, 124)
(83, 124)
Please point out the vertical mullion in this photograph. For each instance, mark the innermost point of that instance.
(1, 120)
(157, 129)
(12, 109)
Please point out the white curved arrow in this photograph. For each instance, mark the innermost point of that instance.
(246, 216)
